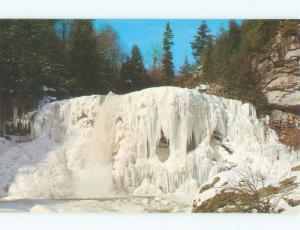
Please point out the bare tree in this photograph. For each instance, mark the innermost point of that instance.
(155, 70)
(108, 46)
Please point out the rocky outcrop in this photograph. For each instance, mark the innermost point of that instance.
(278, 74)
(287, 126)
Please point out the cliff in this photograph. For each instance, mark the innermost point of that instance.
(278, 76)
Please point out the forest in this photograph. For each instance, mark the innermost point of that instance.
(67, 58)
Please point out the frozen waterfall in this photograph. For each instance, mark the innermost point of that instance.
(154, 141)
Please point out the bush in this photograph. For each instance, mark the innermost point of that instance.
(290, 28)
(249, 194)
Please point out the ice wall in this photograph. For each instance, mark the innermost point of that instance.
(158, 140)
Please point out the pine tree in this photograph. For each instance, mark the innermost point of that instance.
(257, 34)
(84, 59)
(26, 56)
(63, 29)
(28, 61)
(186, 68)
(219, 56)
(5, 54)
(200, 42)
(167, 60)
(207, 60)
(138, 68)
(55, 70)
(133, 72)
(234, 37)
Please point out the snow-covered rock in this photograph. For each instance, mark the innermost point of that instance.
(202, 87)
(156, 140)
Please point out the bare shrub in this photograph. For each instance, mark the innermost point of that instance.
(249, 193)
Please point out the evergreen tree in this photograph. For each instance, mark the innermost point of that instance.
(63, 28)
(55, 72)
(256, 35)
(138, 73)
(5, 80)
(234, 37)
(289, 27)
(228, 60)
(217, 63)
(219, 56)
(207, 60)
(133, 72)
(186, 68)
(167, 60)
(27, 56)
(29, 59)
(83, 58)
(200, 41)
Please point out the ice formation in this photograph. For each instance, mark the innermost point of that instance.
(156, 141)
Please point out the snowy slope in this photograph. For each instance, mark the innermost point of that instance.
(97, 146)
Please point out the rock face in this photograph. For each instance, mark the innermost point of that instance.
(278, 74)
(287, 126)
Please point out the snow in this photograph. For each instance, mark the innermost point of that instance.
(99, 146)
(47, 89)
(202, 87)
(128, 205)
(147, 188)
(4, 144)
(293, 210)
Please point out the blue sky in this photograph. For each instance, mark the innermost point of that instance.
(147, 33)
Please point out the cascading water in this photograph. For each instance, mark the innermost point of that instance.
(154, 141)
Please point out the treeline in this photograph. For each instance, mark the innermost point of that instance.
(227, 58)
(57, 59)
(71, 58)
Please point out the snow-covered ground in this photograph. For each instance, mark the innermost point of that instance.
(105, 146)
(107, 204)
(4, 144)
